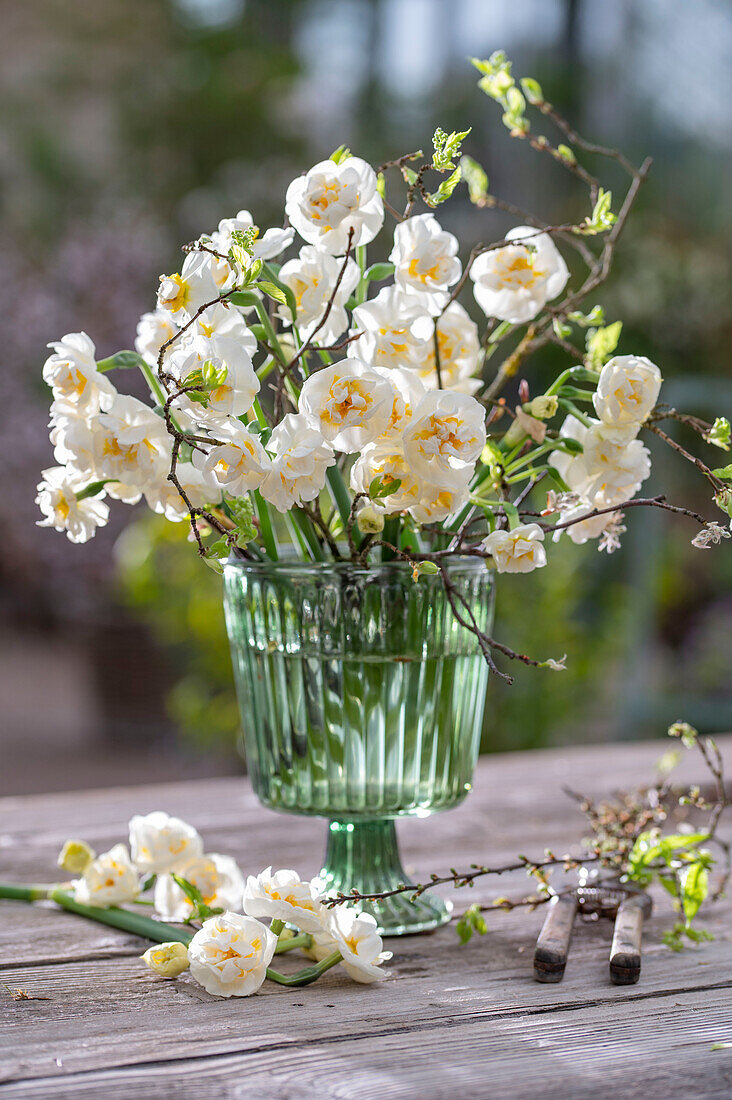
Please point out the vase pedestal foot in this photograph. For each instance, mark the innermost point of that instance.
(364, 855)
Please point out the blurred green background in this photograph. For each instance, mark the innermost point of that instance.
(130, 126)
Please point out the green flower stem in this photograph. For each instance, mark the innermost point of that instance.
(570, 407)
(578, 374)
(273, 277)
(249, 298)
(298, 538)
(308, 975)
(303, 524)
(149, 929)
(544, 448)
(146, 927)
(342, 500)
(362, 288)
(265, 527)
(16, 892)
(276, 926)
(266, 368)
(390, 534)
(303, 940)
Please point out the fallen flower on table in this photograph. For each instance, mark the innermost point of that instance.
(169, 960)
(226, 951)
(230, 953)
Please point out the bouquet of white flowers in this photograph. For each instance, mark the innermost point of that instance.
(372, 422)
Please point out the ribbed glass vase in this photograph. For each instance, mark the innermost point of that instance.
(362, 701)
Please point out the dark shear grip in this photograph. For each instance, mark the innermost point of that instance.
(625, 953)
(552, 947)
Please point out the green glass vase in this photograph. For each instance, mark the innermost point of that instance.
(362, 701)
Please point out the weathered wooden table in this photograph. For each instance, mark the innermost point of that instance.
(452, 1021)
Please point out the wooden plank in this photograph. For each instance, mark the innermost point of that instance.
(569, 1054)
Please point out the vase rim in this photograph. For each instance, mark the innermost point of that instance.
(287, 564)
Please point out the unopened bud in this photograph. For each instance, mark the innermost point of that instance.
(369, 520)
(75, 857)
(167, 959)
(543, 408)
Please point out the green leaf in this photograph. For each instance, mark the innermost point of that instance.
(724, 472)
(532, 90)
(565, 153)
(446, 147)
(340, 154)
(377, 272)
(561, 329)
(381, 487)
(472, 920)
(475, 178)
(446, 188)
(719, 433)
(602, 342)
(273, 291)
(694, 889)
(93, 489)
(426, 569)
(192, 892)
(121, 360)
(602, 216)
(409, 174)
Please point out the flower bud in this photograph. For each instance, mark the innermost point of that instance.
(370, 522)
(75, 856)
(543, 408)
(167, 959)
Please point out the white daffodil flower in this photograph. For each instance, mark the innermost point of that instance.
(396, 330)
(233, 395)
(359, 943)
(627, 391)
(169, 960)
(586, 529)
(439, 500)
(202, 279)
(163, 496)
(447, 431)
(73, 442)
(217, 877)
(110, 879)
(301, 459)
(160, 843)
(425, 260)
(222, 320)
(515, 282)
(230, 954)
(62, 509)
(517, 551)
(153, 330)
(239, 465)
(284, 896)
(348, 403)
(130, 446)
(407, 390)
(266, 247)
(331, 199)
(607, 472)
(385, 459)
(459, 349)
(312, 278)
(78, 388)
